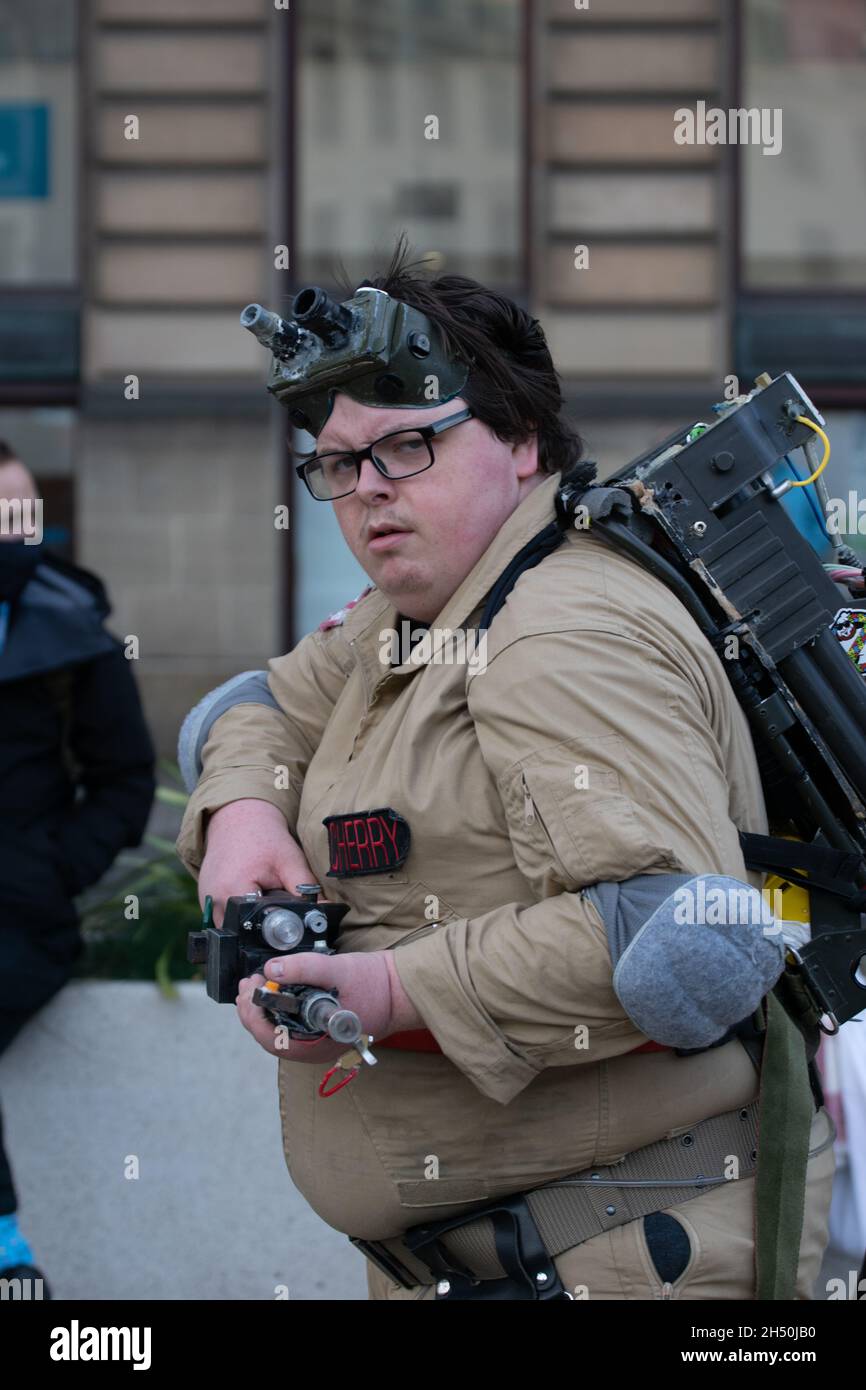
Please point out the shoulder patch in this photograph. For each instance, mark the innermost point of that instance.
(338, 618)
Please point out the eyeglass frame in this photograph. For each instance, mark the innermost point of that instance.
(427, 432)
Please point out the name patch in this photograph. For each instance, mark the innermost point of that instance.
(366, 842)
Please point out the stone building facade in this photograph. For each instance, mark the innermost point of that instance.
(205, 135)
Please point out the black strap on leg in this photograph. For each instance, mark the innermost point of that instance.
(815, 1083)
(529, 1270)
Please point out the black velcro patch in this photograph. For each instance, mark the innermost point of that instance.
(366, 842)
(668, 1243)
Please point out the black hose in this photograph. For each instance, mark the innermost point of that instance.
(822, 703)
(838, 668)
(649, 559)
(619, 537)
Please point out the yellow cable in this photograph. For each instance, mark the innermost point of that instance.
(804, 420)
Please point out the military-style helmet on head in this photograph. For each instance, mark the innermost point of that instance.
(376, 349)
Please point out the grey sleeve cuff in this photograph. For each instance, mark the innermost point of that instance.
(249, 688)
(692, 955)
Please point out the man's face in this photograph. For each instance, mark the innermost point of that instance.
(447, 515)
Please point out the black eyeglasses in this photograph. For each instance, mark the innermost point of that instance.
(399, 455)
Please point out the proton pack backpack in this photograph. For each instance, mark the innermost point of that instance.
(703, 511)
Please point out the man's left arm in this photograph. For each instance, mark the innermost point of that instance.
(112, 747)
(607, 768)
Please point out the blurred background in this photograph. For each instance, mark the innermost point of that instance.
(162, 164)
(304, 128)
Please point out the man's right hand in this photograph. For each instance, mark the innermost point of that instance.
(249, 848)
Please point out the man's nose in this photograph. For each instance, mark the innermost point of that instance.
(371, 485)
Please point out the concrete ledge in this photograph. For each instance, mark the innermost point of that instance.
(111, 1069)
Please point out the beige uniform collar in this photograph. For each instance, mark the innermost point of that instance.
(365, 624)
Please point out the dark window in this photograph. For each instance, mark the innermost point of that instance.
(426, 200)
(802, 248)
(392, 72)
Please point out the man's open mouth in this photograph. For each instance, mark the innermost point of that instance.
(381, 537)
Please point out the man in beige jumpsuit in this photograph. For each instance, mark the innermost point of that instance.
(460, 808)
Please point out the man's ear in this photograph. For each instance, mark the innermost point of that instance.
(526, 456)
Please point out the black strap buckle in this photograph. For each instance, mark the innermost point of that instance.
(385, 1261)
(829, 967)
(530, 1271)
(831, 964)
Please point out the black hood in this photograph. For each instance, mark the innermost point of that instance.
(57, 613)
(18, 561)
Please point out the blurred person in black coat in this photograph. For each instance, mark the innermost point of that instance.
(76, 774)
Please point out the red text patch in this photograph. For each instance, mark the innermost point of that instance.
(366, 842)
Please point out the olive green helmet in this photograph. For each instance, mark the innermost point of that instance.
(376, 349)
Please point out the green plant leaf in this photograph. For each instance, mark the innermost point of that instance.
(171, 770)
(171, 797)
(167, 846)
(163, 978)
(153, 945)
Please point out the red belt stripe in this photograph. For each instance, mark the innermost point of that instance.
(422, 1040)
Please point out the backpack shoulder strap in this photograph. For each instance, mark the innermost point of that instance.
(578, 493)
(536, 550)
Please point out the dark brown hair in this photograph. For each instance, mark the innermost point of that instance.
(7, 453)
(513, 386)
